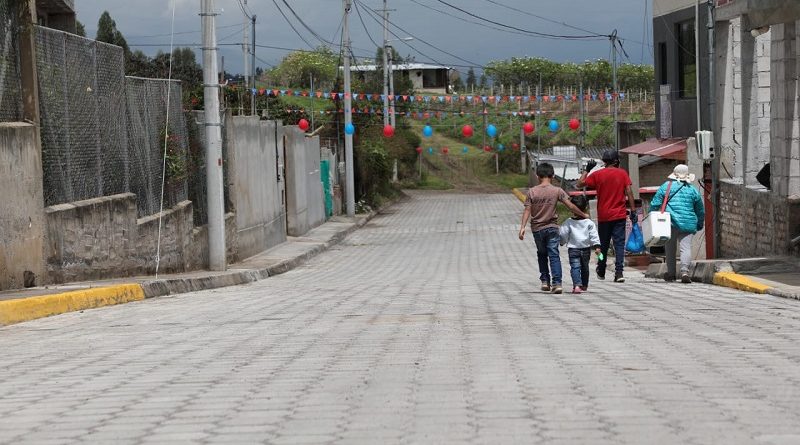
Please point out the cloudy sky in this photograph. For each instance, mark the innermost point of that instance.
(146, 26)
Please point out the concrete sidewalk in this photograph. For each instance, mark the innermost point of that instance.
(28, 304)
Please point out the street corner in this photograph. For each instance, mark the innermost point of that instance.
(741, 282)
(27, 309)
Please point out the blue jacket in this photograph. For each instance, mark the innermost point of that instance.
(685, 206)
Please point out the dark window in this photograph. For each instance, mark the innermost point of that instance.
(687, 67)
(662, 59)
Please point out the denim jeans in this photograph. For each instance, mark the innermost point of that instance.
(608, 231)
(579, 266)
(547, 252)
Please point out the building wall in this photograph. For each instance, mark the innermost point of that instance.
(252, 148)
(656, 174)
(102, 238)
(755, 222)
(21, 201)
(684, 110)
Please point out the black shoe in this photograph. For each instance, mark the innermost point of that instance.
(618, 278)
(669, 278)
(686, 279)
(601, 274)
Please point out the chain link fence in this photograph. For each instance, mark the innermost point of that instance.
(10, 87)
(103, 133)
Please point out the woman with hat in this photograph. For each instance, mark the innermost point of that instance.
(685, 207)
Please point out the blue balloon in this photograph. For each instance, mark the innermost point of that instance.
(349, 128)
(427, 131)
(465, 149)
(553, 124)
(430, 150)
(501, 147)
(491, 130)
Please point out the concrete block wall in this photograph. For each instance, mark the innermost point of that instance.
(305, 206)
(102, 238)
(656, 174)
(755, 222)
(21, 207)
(785, 110)
(253, 148)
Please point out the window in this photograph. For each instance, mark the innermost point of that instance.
(687, 67)
(662, 58)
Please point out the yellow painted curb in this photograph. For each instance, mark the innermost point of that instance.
(26, 309)
(518, 194)
(741, 282)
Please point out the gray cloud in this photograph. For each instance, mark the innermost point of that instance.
(147, 22)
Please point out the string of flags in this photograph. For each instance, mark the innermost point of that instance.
(446, 99)
(417, 114)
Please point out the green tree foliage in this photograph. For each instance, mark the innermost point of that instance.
(80, 29)
(528, 71)
(107, 32)
(296, 69)
(471, 81)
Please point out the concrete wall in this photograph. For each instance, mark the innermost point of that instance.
(656, 173)
(253, 173)
(761, 227)
(21, 201)
(785, 117)
(305, 207)
(102, 238)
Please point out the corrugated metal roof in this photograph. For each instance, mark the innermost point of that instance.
(664, 148)
(399, 67)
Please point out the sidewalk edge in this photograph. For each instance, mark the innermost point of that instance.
(26, 309)
(741, 282)
(518, 194)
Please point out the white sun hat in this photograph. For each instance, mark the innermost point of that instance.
(681, 173)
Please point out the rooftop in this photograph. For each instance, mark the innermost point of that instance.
(398, 67)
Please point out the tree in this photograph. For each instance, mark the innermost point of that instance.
(297, 67)
(80, 29)
(482, 85)
(471, 79)
(107, 32)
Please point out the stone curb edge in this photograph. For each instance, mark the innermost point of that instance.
(518, 194)
(27, 309)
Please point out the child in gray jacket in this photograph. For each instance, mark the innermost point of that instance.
(580, 235)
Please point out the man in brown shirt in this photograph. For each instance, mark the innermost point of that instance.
(540, 208)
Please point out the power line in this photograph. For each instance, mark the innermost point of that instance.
(291, 25)
(471, 63)
(541, 34)
(469, 21)
(545, 18)
(361, 19)
(244, 10)
(320, 38)
(182, 33)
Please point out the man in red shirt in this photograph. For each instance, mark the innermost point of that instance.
(613, 186)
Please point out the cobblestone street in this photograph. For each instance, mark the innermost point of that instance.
(425, 326)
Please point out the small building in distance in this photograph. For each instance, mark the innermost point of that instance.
(424, 76)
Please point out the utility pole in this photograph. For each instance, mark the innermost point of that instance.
(350, 194)
(246, 51)
(253, 68)
(539, 100)
(391, 87)
(614, 99)
(385, 64)
(311, 79)
(712, 125)
(216, 209)
(583, 117)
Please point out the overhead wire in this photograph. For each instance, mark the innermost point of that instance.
(536, 33)
(292, 25)
(469, 21)
(495, 2)
(361, 19)
(308, 28)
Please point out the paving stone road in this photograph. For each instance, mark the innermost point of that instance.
(423, 327)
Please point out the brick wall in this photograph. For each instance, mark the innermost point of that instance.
(756, 222)
(656, 174)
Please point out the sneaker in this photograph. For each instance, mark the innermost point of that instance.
(618, 278)
(577, 290)
(584, 288)
(557, 289)
(669, 278)
(601, 274)
(545, 286)
(686, 279)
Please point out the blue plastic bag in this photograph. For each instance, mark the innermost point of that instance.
(635, 242)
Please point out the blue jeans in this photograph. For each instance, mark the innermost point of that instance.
(579, 266)
(608, 231)
(547, 251)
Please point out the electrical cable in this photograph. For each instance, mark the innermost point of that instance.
(361, 19)
(292, 25)
(244, 10)
(166, 141)
(544, 18)
(470, 21)
(536, 33)
(182, 33)
(318, 37)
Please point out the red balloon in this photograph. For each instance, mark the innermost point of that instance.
(487, 148)
(528, 128)
(388, 131)
(445, 150)
(467, 131)
(574, 124)
(515, 146)
(303, 124)
(419, 149)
